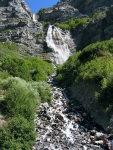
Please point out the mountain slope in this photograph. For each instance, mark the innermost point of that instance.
(17, 25)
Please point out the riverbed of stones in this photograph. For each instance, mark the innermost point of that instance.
(65, 125)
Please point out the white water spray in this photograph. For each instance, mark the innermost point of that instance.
(34, 18)
(56, 42)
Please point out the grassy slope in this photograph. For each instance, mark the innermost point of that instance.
(22, 88)
(91, 66)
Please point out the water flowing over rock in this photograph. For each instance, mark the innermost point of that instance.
(34, 18)
(56, 40)
(65, 125)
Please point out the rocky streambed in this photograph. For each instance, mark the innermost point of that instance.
(65, 125)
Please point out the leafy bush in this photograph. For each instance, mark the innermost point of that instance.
(9, 49)
(19, 102)
(22, 96)
(19, 98)
(93, 64)
(72, 23)
(17, 134)
(44, 91)
(20, 65)
(29, 69)
(16, 67)
(40, 69)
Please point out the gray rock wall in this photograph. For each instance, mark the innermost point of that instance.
(59, 13)
(88, 6)
(97, 30)
(85, 93)
(17, 25)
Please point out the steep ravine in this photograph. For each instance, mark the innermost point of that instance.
(65, 125)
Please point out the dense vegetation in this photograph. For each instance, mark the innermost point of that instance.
(79, 22)
(22, 89)
(94, 64)
(72, 23)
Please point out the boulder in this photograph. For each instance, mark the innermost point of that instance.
(59, 117)
(99, 136)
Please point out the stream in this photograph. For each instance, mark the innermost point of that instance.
(65, 125)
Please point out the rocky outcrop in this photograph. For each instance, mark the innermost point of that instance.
(58, 13)
(85, 93)
(66, 9)
(88, 6)
(97, 30)
(18, 25)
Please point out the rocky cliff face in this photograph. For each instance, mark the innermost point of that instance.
(17, 25)
(58, 13)
(67, 9)
(88, 6)
(96, 30)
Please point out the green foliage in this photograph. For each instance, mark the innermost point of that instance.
(93, 64)
(78, 22)
(98, 49)
(16, 67)
(97, 15)
(22, 96)
(73, 23)
(40, 69)
(29, 69)
(18, 64)
(19, 102)
(4, 75)
(67, 73)
(17, 134)
(9, 49)
(44, 91)
(19, 98)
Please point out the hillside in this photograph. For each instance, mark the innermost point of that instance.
(90, 80)
(74, 36)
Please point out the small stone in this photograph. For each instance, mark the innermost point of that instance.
(99, 136)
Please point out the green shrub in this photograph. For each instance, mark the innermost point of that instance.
(40, 69)
(18, 64)
(9, 49)
(28, 69)
(19, 102)
(44, 91)
(16, 67)
(73, 23)
(98, 49)
(20, 98)
(17, 134)
(93, 64)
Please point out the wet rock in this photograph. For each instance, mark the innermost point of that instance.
(61, 129)
(99, 136)
(47, 116)
(59, 116)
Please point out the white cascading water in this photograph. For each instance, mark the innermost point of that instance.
(34, 18)
(56, 42)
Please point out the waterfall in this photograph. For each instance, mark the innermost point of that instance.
(56, 42)
(34, 18)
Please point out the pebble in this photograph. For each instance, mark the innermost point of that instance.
(65, 125)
